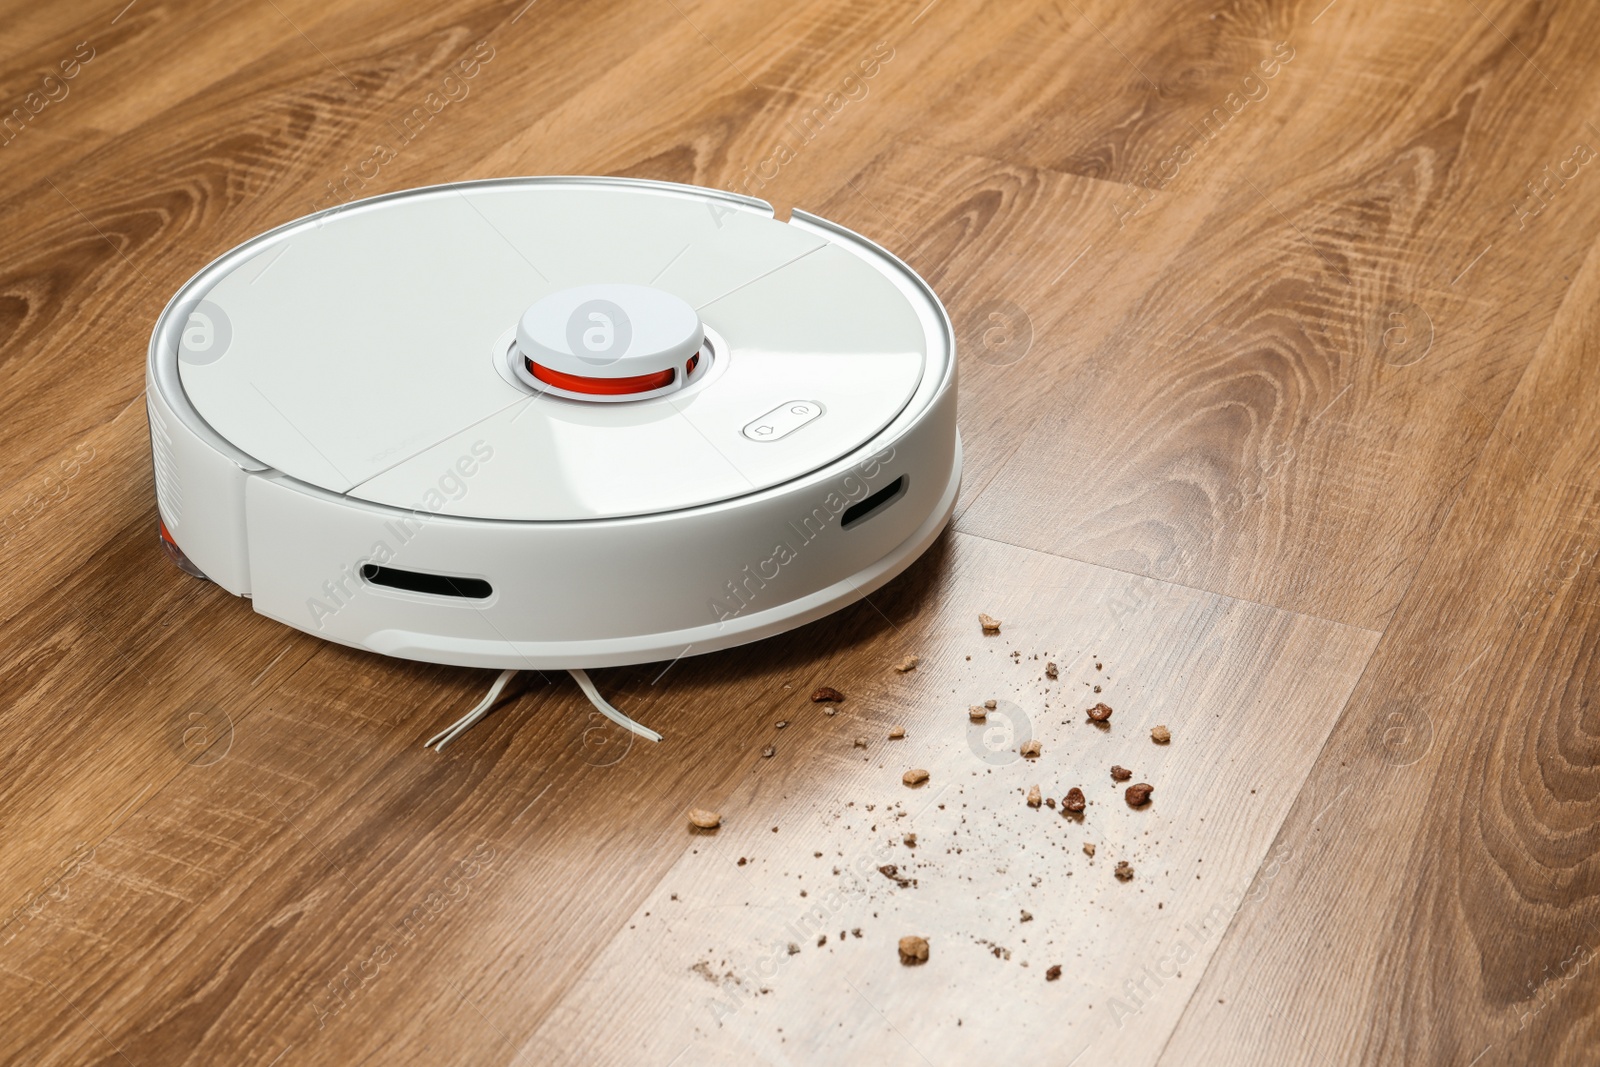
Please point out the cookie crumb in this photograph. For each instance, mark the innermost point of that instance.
(1100, 713)
(990, 705)
(915, 776)
(1088, 849)
(769, 752)
(794, 949)
(1033, 797)
(977, 714)
(1052, 972)
(861, 742)
(897, 733)
(990, 624)
(1161, 735)
(1139, 795)
(822, 939)
(781, 724)
(910, 840)
(1030, 749)
(1050, 669)
(1120, 774)
(1050, 802)
(1123, 871)
(913, 950)
(907, 664)
(743, 861)
(826, 694)
(1074, 801)
(1027, 916)
(703, 819)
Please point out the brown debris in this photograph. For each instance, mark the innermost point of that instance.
(1030, 749)
(977, 714)
(1050, 669)
(825, 694)
(915, 776)
(990, 624)
(703, 819)
(1027, 916)
(1074, 801)
(1033, 797)
(861, 742)
(1161, 735)
(1088, 849)
(913, 950)
(1100, 713)
(991, 704)
(896, 733)
(1120, 774)
(907, 664)
(1123, 871)
(1139, 795)
(769, 752)
(1052, 972)
(910, 840)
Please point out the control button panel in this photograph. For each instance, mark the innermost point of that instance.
(782, 420)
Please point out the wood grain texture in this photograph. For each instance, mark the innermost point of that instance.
(1235, 417)
(1463, 923)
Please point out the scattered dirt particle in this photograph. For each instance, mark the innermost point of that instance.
(794, 949)
(769, 752)
(1100, 713)
(891, 872)
(1161, 735)
(1030, 749)
(1033, 796)
(1052, 972)
(1097, 689)
(1120, 774)
(827, 694)
(1050, 802)
(743, 861)
(822, 939)
(1088, 849)
(1139, 795)
(1074, 801)
(913, 950)
(897, 733)
(855, 931)
(915, 776)
(781, 724)
(990, 624)
(910, 840)
(990, 705)
(861, 742)
(703, 969)
(1027, 916)
(1097, 666)
(1123, 871)
(1050, 670)
(907, 664)
(977, 714)
(703, 819)
(830, 711)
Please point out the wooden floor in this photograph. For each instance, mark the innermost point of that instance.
(1280, 390)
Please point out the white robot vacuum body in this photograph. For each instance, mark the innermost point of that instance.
(553, 423)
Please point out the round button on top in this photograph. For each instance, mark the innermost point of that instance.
(610, 341)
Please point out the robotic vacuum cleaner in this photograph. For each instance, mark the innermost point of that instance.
(553, 422)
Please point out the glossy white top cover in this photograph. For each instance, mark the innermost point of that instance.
(365, 352)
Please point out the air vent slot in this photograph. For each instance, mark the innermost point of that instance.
(432, 584)
(875, 503)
